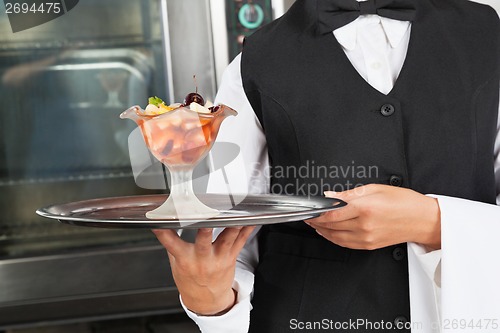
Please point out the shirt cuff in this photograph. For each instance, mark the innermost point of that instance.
(428, 259)
(236, 320)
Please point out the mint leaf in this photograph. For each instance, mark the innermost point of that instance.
(156, 101)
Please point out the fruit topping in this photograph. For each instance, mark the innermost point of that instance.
(214, 108)
(193, 101)
(156, 101)
(193, 98)
(198, 108)
(152, 110)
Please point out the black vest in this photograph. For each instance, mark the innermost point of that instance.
(327, 128)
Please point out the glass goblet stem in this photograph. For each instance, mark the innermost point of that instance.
(182, 203)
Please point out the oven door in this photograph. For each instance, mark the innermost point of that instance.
(63, 85)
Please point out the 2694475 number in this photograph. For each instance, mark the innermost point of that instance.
(25, 8)
(475, 324)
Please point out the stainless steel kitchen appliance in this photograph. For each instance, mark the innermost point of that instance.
(63, 85)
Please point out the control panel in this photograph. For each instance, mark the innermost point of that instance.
(243, 17)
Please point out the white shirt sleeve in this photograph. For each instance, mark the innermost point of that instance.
(249, 171)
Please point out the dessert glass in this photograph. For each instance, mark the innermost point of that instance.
(180, 139)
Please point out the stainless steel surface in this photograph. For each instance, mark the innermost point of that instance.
(137, 64)
(191, 48)
(88, 285)
(123, 74)
(129, 212)
(61, 138)
(167, 48)
(219, 37)
(92, 23)
(76, 274)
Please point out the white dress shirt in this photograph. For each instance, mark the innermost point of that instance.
(377, 49)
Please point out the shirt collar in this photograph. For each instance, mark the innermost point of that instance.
(394, 30)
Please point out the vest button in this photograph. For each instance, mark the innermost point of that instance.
(400, 322)
(396, 180)
(398, 254)
(387, 110)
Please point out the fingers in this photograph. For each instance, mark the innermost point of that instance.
(341, 238)
(336, 236)
(227, 241)
(226, 238)
(355, 205)
(354, 193)
(171, 241)
(242, 239)
(203, 242)
(347, 225)
(232, 240)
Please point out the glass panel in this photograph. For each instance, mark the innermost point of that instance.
(63, 85)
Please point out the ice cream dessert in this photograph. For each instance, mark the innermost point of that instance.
(180, 135)
(193, 101)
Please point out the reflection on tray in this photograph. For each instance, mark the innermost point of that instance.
(129, 212)
(234, 213)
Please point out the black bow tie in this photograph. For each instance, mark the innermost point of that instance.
(333, 14)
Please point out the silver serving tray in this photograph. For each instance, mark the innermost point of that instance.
(129, 212)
